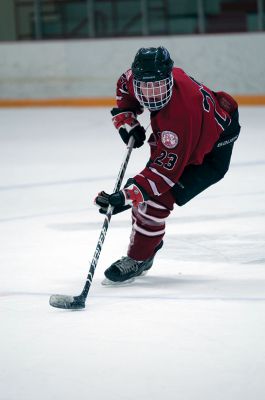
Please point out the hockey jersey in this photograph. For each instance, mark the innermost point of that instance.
(183, 132)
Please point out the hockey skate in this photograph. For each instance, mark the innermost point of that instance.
(125, 270)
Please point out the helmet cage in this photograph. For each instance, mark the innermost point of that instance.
(153, 95)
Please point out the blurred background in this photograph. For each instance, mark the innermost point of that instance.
(74, 50)
(72, 19)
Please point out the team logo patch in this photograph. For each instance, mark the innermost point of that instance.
(169, 139)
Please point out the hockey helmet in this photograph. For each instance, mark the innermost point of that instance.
(152, 77)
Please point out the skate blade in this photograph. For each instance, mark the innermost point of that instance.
(108, 283)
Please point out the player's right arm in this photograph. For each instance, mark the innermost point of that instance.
(124, 116)
(125, 97)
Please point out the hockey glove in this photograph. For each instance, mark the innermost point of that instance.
(102, 201)
(131, 195)
(126, 123)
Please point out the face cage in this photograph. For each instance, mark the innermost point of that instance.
(153, 95)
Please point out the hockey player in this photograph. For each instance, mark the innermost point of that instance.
(193, 133)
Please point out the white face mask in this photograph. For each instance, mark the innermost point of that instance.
(153, 95)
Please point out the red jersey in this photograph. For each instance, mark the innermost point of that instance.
(184, 131)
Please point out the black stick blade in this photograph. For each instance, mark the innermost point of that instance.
(67, 302)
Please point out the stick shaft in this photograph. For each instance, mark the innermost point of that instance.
(107, 221)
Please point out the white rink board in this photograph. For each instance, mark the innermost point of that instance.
(90, 68)
(193, 328)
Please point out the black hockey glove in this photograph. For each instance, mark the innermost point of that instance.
(126, 123)
(131, 195)
(103, 200)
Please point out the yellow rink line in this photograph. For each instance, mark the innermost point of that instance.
(60, 102)
(247, 100)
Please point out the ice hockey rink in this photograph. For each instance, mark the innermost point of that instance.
(193, 328)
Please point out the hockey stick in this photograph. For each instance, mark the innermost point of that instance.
(78, 302)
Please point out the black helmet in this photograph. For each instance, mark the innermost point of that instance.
(152, 77)
(152, 64)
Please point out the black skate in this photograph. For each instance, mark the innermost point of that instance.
(126, 269)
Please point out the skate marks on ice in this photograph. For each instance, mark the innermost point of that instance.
(37, 185)
(80, 226)
(209, 266)
(243, 248)
(97, 179)
(23, 294)
(169, 280)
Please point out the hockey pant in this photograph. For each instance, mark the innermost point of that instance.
(148, 220)
(197, 178)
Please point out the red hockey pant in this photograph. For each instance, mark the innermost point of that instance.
(148, 225)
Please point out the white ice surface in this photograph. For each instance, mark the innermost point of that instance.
(193, 328)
